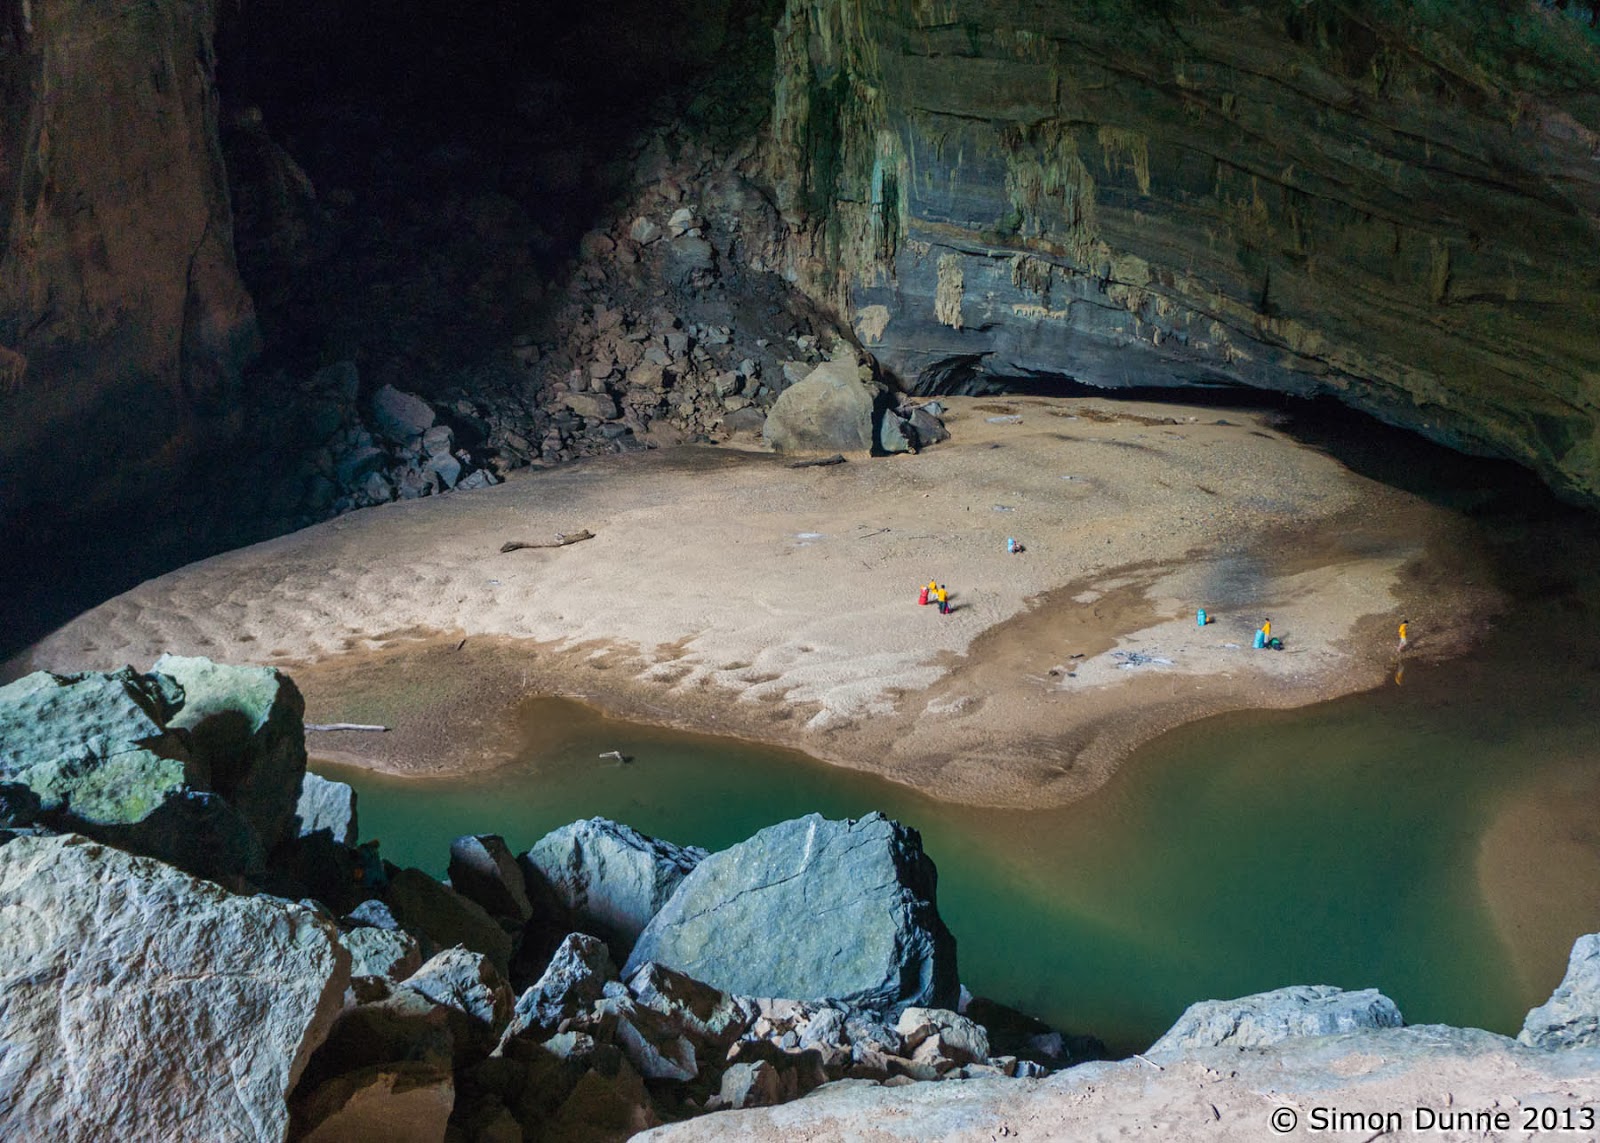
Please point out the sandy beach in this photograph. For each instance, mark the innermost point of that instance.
(726, 591)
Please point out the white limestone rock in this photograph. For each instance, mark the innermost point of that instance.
(139, 1003)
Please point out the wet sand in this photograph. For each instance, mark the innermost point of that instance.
(727, 592)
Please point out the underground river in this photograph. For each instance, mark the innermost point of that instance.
(1431, 838)
(1355, 843)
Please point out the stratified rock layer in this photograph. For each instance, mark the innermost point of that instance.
(812, 909)
(137, 1003)
(1392, 203)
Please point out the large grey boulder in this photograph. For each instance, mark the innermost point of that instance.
(1283, 1014)
(247, 726)
(611, 877)
(483, 869)
(812, 909)
(326, 806)
(1571, 1017)
(138, 1003)
(831, 410)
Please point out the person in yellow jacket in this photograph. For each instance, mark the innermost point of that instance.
(1266, 631)
(943, 597)
(1404, 633)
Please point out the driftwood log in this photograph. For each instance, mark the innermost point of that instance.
(344, 726)
(562, 540)
(836, 458)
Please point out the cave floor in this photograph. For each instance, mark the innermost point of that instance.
(727, 592)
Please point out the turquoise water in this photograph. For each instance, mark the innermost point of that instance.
(1338, 844)
(1332, 845)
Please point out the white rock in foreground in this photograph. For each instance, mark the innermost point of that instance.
(1282, 1014)
(1221, 1094)
(1571, 1017)
(137, 1002)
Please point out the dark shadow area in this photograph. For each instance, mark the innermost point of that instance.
(411, 181)
(410, 185)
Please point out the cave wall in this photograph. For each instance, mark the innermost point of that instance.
(123, 323)
(1393, 201)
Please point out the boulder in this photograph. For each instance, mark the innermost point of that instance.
(707, 1012)
(97, 751)
(927, 426)
(1571, 1017)
(762, 918)
(643, 231)
(19, 806)
(439, 441)
(391, 954)
(611, 877)
(654, 1044)
(1272, 1017)
(604, 1107)
(478, 997)
(326, 806)
(140, 1003)
(95, 746)
(831, 410)
(427, 908)
(198, 832)
(595, 406)
(247, 726)
(402, 1102)
(444, 469)
(399, 416)
(373, 913)
(482, 869)
(750, 1085)
(960, 1039)
(895, 434)
(575, 978)
(355, 466)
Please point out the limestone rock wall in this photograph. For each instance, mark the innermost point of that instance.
(1392, 201)
(122, 317)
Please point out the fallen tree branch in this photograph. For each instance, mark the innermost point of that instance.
(836, 458)
(562, 540)
(343, 726)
